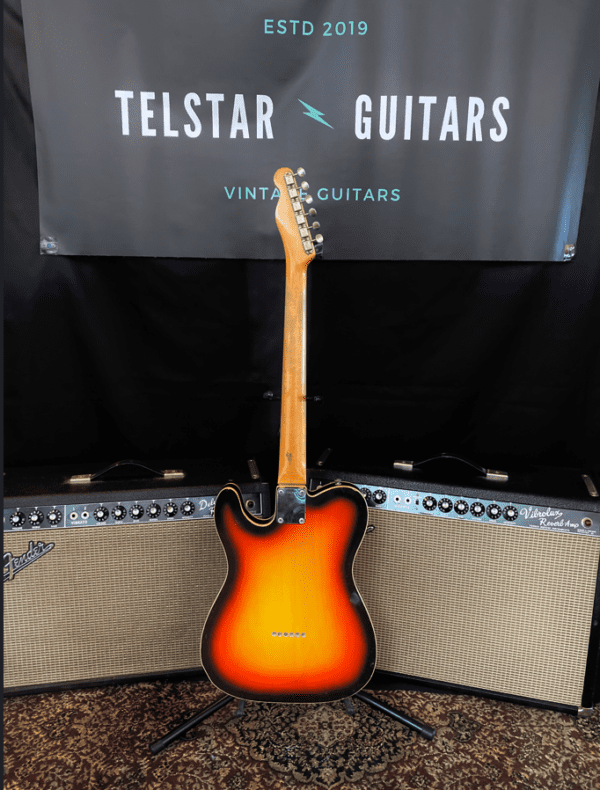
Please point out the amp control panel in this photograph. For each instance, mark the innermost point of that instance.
(519, 513)
(28, 516)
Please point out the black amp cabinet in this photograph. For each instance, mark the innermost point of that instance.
(489, 587)
(108, 579)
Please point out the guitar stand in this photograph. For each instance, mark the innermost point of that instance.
(414, 724)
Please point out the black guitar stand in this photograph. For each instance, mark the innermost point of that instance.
(177, 732)
(413, 724)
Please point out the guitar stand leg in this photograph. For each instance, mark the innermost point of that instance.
(414, 724)
(167, 739)
(422, 729)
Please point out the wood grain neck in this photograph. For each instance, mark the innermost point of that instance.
(292, 448)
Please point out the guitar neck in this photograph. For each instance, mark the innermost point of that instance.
(292, 448)
(299, 252)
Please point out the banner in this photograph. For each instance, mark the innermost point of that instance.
(441, 130)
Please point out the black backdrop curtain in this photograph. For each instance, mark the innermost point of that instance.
(111, 358)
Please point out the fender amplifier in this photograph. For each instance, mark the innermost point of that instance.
(111, 579)
(489, 587)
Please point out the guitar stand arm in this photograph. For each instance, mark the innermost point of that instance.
(173, 735)
(167, 739)
(422, 729)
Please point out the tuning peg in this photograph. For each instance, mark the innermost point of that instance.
(308, 199)
(315, 226)
(318, 239)
(312, 212)
(301, 172)
(304, 185)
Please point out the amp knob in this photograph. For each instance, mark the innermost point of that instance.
(17, 519)
(171, 509)
(510, 513)
(477, 509)
(461, 507)
(445, 505)
(494, 511)
(119, 512)
(36, 517)
(187, 508)
(429, 503)
(366, 493)
(54, 516)
(136, 511)
(101, 514)
(379, 496)
(154, 510)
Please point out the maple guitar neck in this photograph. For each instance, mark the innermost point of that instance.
(299, 248)
(292, 447)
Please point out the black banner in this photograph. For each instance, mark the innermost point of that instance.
(435, 130)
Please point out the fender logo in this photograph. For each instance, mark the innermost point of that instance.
(12, 564)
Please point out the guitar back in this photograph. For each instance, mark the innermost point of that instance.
(289, 624)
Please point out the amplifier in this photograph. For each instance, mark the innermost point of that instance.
(490, 587)
(111, 579)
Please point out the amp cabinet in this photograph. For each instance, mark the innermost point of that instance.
(111, 579)
(489, 587)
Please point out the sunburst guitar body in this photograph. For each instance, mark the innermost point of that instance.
(289, 624)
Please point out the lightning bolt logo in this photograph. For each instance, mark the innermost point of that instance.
(316, 114)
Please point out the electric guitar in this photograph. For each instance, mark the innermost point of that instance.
(289, 624)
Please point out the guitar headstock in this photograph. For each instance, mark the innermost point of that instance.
(293, 221)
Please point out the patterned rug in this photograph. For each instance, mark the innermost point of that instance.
(98, 738)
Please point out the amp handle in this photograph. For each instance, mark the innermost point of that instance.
(164, 474)
(489, 474)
